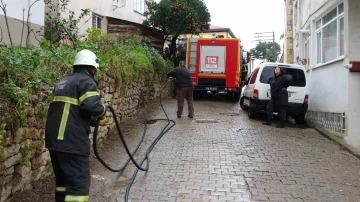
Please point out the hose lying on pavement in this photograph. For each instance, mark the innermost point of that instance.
(167, 127)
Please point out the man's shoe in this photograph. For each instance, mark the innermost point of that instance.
(266, 123)
(191, 116)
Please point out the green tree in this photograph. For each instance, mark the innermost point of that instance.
(176, 17)
(266, 50)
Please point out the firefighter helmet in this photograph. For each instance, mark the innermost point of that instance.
(86, 57)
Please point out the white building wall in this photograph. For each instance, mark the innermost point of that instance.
(14, 9)
(332, 87)
(105, 8)
(353, 16)
(328, 88)
(329, 83)
(18, 32)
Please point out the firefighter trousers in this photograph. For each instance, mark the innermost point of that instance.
(72, 175)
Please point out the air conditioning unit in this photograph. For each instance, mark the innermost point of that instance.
(119, 3)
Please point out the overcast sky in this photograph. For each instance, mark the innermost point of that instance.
(245, 17)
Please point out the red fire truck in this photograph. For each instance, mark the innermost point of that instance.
(214, 64)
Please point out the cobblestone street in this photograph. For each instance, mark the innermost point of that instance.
(235, 159)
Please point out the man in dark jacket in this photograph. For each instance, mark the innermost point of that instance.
(185, 88)
(75, 104)
(279, 96)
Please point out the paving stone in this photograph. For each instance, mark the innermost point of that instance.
(238, 159)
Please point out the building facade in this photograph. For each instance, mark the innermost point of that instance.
(325, 37)
(14, 12)
(129, 10)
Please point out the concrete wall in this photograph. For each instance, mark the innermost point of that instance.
(14, 11)
(332, 88)
(105, 8)
(309, 7)
(16, 30)
(328, 88)
(328, 83)
(288, 44)
(353, 17)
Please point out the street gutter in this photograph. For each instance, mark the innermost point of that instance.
(353, 150)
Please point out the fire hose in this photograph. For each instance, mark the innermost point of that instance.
(138, 165)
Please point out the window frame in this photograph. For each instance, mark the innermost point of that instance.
(306, 49)
(319, 30)
(97, 17)
(142, 4)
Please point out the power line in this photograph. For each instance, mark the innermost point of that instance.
(264, 36)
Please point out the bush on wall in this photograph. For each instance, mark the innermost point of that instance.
(24, 71)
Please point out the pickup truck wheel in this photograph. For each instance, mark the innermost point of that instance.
(237, 96)
(251, 113)
(242, 106)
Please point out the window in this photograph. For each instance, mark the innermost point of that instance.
(330, 35)
(96, 21)
(296, 76)
(253, 76)
(139, 6)
(306, 57)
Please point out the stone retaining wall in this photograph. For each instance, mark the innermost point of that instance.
(25, 158)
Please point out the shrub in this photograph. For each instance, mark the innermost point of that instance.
(25, 71)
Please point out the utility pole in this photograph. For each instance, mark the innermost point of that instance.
(266, 36)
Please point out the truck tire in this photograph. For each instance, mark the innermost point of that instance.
(251, 113)
(195, 95)
(300, 119)
(237, 96)
(242, 106)
(229, 96)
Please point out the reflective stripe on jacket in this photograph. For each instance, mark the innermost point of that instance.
(75, 101)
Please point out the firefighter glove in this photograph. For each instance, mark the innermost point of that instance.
(105, 122)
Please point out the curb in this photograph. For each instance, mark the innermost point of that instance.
(351, 149)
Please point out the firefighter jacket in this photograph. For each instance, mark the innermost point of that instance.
(74, 104)
(244, 68)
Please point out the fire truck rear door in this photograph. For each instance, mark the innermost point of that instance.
(212, 59)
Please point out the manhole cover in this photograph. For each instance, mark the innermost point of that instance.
(206, 121)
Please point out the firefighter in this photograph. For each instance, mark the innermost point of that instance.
(75, 106)
(244, 66)
(244, 69)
